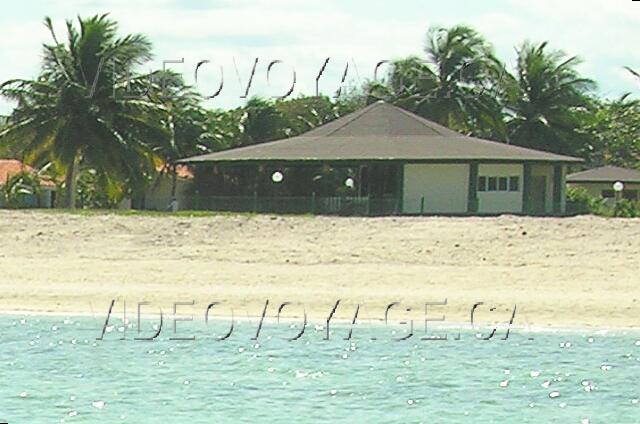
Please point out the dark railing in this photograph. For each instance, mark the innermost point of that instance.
(348, 206)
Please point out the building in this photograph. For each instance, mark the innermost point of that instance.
(158, 196)
(599, 182)
(393, 162)
(44, 199)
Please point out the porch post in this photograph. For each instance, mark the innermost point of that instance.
(557, 189)
(526, 189)
(255, 201)
(472, 201)
(400, 190)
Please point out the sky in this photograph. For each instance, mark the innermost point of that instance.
(231, 34)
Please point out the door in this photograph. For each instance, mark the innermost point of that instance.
(539, 195)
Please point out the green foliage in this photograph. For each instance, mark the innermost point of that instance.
(544, 99)
(97, 191)
(264, 120)
(614, 130)
(226, 126)
(19, 189)
(455, 85)
(81, 109)
(626, 209)
(306, 113)
(261, 122)
(187, 124)
(579, 201)
(462, 85)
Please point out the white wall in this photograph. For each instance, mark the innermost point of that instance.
(445, 188)
(501, 201)
(158, 197)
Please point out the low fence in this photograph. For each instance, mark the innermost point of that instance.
(348, 206)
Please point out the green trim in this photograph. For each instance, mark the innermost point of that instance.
(526, 189)
(401, 189)
(557, 189)
(472, 199)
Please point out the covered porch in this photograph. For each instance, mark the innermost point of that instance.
(354, 188)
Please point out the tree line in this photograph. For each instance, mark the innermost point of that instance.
(114, 133)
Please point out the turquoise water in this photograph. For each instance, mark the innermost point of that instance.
(53, 370)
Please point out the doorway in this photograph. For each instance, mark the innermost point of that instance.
(538, 194)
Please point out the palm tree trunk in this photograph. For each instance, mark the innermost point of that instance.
(174, 182)
(70, 187)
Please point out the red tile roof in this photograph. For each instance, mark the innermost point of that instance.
(11, 167)
(183, 171)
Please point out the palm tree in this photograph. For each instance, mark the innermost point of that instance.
(262, 122)
(633, 72)
(188, 125)
(614, 128)
(80, 111)
(545, 99)
(305, 113)
(454, 85)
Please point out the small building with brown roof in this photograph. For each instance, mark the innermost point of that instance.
(599, 182)
(394, 162)
(44, 199)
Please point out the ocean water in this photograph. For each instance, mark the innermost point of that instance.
(52, 370)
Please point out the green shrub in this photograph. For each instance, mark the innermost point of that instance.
(20, 190)
(626, 209)
(96, 191)
(579, 201)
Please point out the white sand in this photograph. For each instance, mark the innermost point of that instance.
(560, 272)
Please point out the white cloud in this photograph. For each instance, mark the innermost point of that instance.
(305, 33)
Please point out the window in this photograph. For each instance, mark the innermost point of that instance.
(514, 183)
(493, 184)
(626, 194)
(608, 194)
(502, 183)
(498, 183)
(482, 184)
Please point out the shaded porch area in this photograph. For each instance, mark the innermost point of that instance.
(314, 188)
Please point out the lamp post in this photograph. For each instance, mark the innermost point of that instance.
(618, 187)
(277, 178)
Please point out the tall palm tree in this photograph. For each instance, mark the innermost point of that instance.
(188, 125)
(262, 122)
(545, 99)
(80, 110)
(614, 127)
(454, 85)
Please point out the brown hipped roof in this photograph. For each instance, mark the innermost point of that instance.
(380, 132)
(605, 174)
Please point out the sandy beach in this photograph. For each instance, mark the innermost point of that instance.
(579, 271)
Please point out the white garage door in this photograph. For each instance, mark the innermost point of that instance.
(441, 188)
